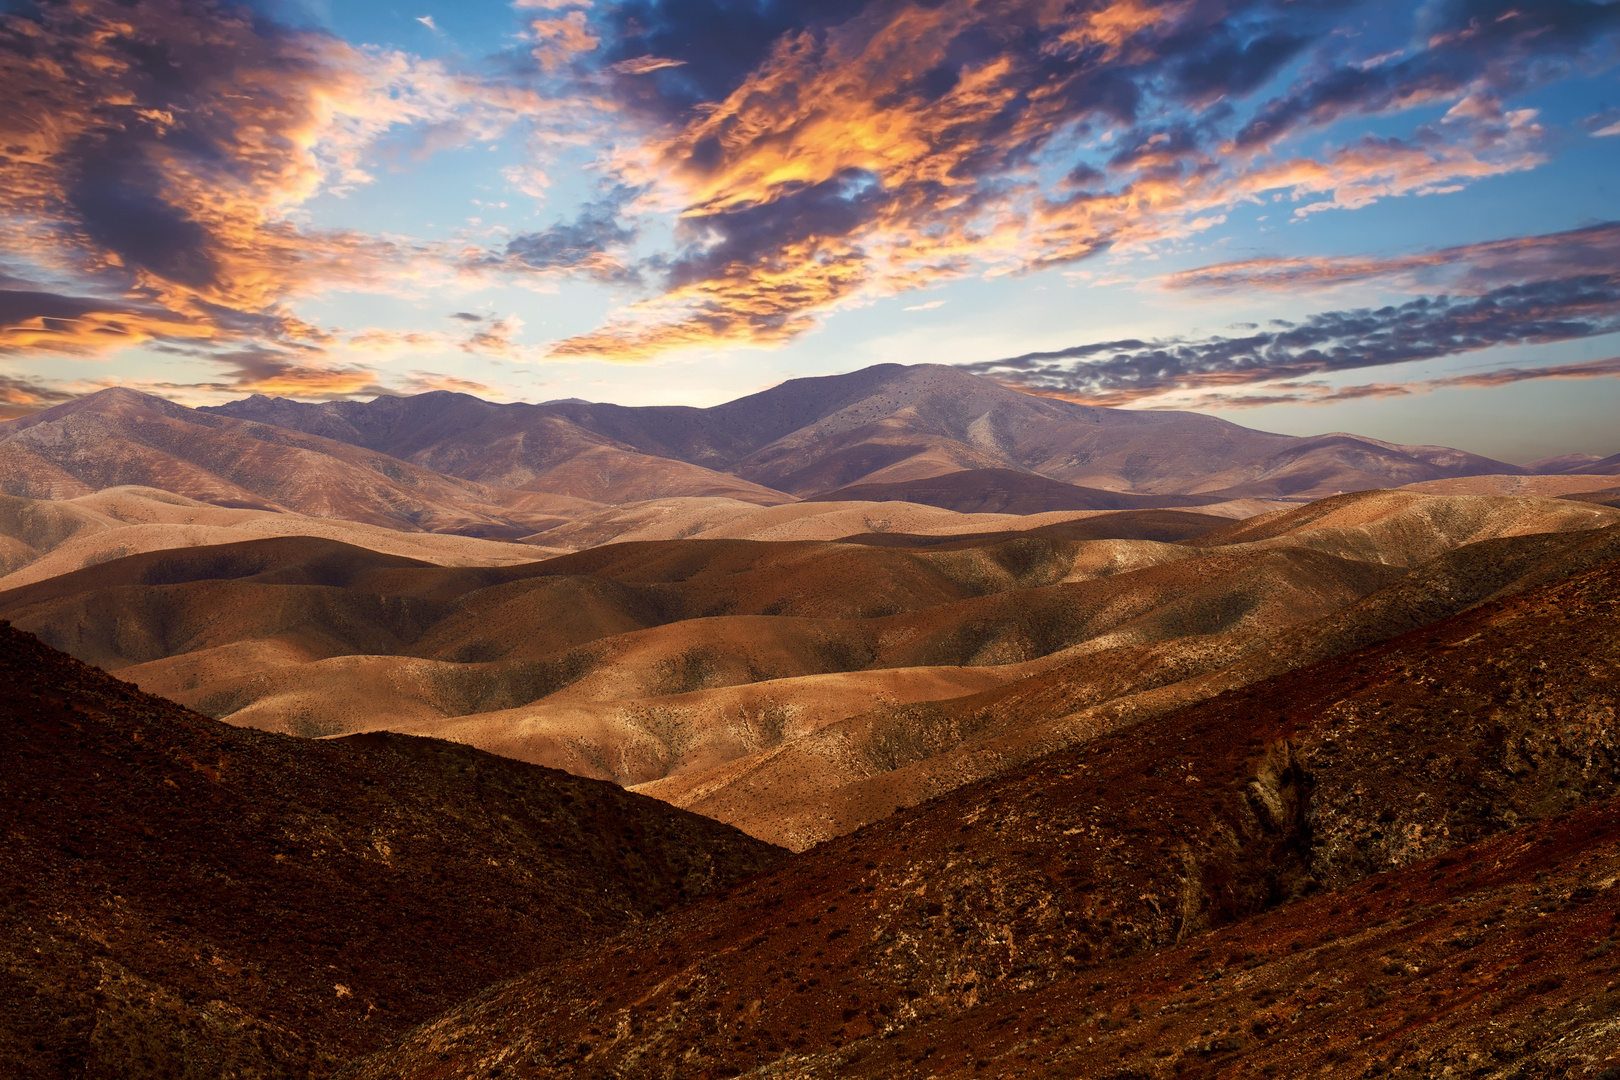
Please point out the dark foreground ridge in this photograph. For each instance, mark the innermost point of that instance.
(182, 898)
(1400, 861)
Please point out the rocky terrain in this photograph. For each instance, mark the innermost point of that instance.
(1397, 862)
(183, 898)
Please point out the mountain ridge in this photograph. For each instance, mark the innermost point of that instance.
(895, 423)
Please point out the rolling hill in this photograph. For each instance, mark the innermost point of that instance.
(797, 689)
(1398, 861)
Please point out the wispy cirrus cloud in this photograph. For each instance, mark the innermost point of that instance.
(1590, 249)
(1568, 288)
(820, 156)
(1323, 393)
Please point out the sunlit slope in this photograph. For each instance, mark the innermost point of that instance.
(42, 538)
(1397, 861)
(796, 689)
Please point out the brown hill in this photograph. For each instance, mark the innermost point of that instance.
(1159, 526)
(517, 446)
(797, 690)
(1609, 466)
(42, 538)
(179, 897)
(1005, 491)
(1606, 497)
(881, 425)
(1401, 859)
(118, 437)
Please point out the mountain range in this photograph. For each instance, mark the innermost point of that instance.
(883, 424)
(893, 724)
(451, 463)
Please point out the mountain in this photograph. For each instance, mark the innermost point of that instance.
(180, 897)
(1563, 463)
(1397, 862)
(883, 424)
(523, 447)
(118, 437)
(1005, 491)
(1609, 466)
(797, 689)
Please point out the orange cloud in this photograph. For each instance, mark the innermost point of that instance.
(177, 198)
(827, 178)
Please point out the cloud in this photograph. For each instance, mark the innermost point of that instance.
(1121, 372)
(930, 306)
(820, 156)
(1321, 393)
(1594, 248)
(427, 21)
(20, 396)
(579, 246)
(166, 154)
(557, 41)
(644, 65)
(33, 321)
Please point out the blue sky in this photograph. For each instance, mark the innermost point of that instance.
(1303, 216)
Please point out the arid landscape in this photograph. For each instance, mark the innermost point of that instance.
(786, 540)
(836, 732)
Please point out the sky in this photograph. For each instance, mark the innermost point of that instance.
(1396, 219)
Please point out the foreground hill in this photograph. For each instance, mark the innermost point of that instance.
(798, 689)
(1400, 859)
(882, 425)
(179, 897)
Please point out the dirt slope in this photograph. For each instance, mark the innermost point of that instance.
(179, 897)
(1316, 875)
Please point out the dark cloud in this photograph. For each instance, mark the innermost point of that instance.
(1499, 44)
(715, 43)
(582, 245)
(1422, 329)
(18, 306)
(1013, 135)
(750, 236)
(467, 316)
(164, 147)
